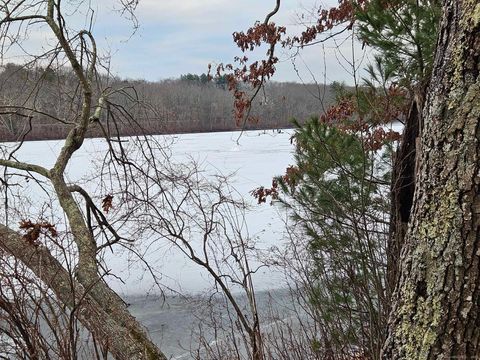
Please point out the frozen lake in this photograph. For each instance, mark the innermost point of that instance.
(173, 323)
(254, 160)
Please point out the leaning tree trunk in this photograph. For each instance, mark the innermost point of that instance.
(118, 331)
(436, 309)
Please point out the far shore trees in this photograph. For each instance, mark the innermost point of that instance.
(192, 103)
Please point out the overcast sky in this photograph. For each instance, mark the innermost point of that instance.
(183, 36)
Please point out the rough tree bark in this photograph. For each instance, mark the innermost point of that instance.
(117, 330)
(436, 309)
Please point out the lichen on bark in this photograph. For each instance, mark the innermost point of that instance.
(434, 315)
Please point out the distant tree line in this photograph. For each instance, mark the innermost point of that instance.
(192, 103)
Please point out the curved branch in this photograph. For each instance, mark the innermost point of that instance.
(99, 217)
(273, 12)
(25, 167)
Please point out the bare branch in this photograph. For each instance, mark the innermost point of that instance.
(26, 167)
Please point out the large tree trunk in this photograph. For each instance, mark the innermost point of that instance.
(120, 333)
(436, 309)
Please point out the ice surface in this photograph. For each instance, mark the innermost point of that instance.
(255, 158)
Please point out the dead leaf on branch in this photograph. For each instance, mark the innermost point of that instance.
(107, 203)
(34, 230)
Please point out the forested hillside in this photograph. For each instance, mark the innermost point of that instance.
(191, 103)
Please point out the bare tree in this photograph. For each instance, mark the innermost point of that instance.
(83, 288)
(200, 217)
